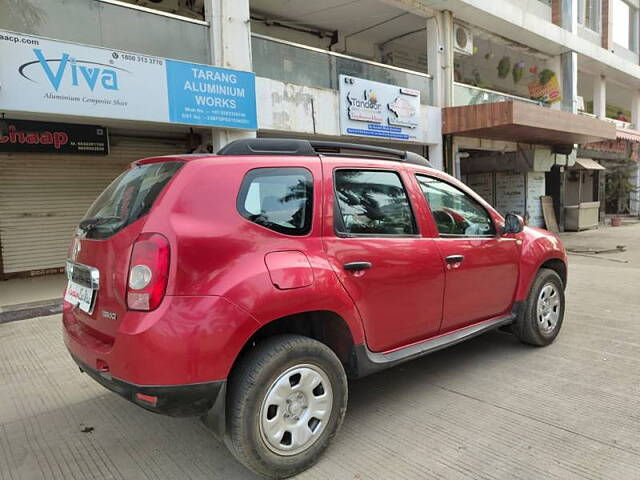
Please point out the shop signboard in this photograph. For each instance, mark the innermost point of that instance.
(24, 136)
(39, 75)
(379, 110)
(205, 95)
(548, 92)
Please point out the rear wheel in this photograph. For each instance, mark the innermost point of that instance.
(541, 320)
(287, 399)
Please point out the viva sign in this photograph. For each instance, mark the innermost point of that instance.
(89, 71)
(45, 76)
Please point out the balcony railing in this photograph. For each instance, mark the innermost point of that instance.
(617, 123)
(114, 25)
(469, 95)
(313, 67)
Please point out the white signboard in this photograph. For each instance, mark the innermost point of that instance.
(535, 189)
(378, 110)
(47, 76)
(510, 193)
(40, 75)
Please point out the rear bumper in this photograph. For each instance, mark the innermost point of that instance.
(186, 341)
(173, 400)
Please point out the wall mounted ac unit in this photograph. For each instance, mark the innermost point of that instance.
(462, 40)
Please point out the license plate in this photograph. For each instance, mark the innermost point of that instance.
(80, 296)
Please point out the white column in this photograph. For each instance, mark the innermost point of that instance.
(230, 46)
(600, 96)
(569, 62)
(569, 15)
(440, 56)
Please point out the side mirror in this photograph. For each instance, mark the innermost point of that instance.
(513, 224)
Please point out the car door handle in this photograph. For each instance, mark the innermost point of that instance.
(355, 266)
(454, 259)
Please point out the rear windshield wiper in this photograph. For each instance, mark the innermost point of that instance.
(91, 223)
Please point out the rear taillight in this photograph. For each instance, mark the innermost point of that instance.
(148, 272)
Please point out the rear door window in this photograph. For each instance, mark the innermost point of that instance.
(372, 202)
(279, 199)
(128, 198)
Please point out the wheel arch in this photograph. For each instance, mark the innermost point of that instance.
(326, 326)
(530, 270)
(558, 266)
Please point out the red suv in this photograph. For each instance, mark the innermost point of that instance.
(247, 286)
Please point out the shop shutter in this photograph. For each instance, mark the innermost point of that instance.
(42, 198)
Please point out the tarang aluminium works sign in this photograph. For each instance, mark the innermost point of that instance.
(39, 75)
(379, 110)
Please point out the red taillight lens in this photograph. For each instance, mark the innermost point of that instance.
(148, 272)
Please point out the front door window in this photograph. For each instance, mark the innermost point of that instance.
(454, 212)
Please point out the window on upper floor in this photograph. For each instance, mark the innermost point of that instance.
(625, 25)
(589, 14)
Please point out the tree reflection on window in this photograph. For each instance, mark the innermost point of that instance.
(372, 202)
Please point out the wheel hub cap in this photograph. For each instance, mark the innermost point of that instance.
(296, 409)
(548, 308)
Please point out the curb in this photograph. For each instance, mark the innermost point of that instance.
(25, 311)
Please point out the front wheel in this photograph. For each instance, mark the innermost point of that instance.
(287, 399)
(543, 313)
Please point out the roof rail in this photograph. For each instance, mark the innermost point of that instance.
(290, 146)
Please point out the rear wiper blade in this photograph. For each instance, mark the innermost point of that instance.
(92, 222)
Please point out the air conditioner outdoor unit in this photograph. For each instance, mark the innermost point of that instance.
(462, 40)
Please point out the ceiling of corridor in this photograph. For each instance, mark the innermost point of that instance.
(367, 19)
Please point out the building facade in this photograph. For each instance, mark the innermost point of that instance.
(511, 96)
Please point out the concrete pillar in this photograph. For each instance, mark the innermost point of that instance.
(600, 96)
(230, 47)
(635, 109)
(440, 56)
(569, 63)
(569, 15)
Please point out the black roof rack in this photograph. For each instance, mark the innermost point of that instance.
(290, 146)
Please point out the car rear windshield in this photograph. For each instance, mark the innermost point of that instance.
(128, 198)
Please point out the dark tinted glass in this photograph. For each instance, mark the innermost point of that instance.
(128, 198)
(372, 202)
(455, 212)
(278, 198)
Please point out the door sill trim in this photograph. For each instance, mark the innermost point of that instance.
(368, 362)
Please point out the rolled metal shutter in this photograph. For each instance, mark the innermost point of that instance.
(42, 198)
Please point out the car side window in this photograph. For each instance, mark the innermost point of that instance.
(454, 212)
(372, 202)
(278, 198)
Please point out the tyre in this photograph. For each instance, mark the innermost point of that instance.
(541, 319)
(287, 399)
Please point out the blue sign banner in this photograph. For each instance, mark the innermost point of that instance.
(211, 96)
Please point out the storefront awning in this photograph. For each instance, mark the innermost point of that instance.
(628, 134)
(524, 123)
(588, 164)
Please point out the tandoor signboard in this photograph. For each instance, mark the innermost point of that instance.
(24, 136)
(39, 75)
(379, 110)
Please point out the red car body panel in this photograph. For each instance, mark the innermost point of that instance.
(229, 277)
(400, 298)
